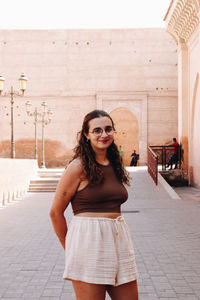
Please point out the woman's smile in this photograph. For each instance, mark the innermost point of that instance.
(104, 141)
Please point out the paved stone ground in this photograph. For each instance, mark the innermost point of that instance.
(165, 233)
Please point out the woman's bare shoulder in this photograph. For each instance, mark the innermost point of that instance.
(75, 166)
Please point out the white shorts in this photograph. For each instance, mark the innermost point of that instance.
(99, 250)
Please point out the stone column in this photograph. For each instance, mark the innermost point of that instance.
(183, 103)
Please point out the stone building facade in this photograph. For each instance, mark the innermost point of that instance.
(130, 73)
(182, 21)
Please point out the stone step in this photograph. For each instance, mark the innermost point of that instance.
(41, 190)
(45, 181)
(54, 175)
(50, 172)
(42, 185)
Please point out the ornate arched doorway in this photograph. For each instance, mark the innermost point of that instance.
(127, 127)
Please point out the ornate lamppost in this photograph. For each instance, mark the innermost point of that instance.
(12, 93)
(45, 118)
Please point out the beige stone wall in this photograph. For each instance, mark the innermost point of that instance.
(194, 110)
(76, 71)
(183, 23)
(162, 118)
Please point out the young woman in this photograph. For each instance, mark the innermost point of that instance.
(99, 255)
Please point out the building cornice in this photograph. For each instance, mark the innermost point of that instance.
(183, 18)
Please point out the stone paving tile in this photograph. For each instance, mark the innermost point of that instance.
(52, 292)
(7, 298)
(148, 297)
(188, 297)
(53, 298)
(11, 294)
(165, 235)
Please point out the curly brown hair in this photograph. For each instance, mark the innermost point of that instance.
(85, 152)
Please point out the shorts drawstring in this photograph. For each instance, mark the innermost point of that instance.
(117, 222)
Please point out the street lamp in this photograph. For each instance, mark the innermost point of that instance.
(22, 83)
(12, 93)
(45, 118)
(35, 115)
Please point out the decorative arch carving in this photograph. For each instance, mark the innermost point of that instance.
(184, 19)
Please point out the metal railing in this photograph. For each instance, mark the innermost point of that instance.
(160, 155)
(164, 153)
(152, 163)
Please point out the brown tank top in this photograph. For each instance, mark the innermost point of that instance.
(105, 197)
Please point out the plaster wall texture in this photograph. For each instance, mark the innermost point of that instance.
(183, 102)
(194, 111)
(76, 71)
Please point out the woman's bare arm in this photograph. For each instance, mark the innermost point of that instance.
(66, 188)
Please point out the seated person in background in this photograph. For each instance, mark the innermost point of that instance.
(174, 156)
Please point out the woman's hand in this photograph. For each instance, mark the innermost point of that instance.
(66, 188)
